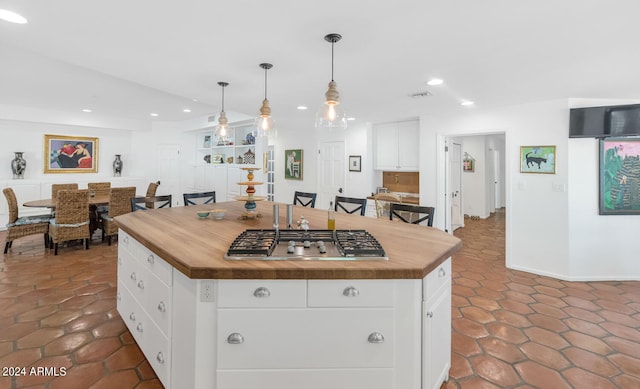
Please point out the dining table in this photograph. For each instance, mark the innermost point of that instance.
(94, 203)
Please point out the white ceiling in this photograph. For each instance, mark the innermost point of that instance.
(129, 58)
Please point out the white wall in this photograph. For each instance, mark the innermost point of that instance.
(552, 222)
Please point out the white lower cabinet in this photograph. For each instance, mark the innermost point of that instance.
(286, 334)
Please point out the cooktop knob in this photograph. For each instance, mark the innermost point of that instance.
(322, 249)
(306, 244)
(292, 243)
(291, 249)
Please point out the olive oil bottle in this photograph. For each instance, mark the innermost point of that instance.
(331, 219)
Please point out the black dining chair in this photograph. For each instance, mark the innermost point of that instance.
(350, 205)
(199, 198)
(305, 199)
(152, 202)
(414, 214)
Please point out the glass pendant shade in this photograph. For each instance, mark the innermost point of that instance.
(331, 115)
(221, 129)
(264, 123)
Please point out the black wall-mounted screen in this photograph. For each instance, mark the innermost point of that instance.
(599, 122)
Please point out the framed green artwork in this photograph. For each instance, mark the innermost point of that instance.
(293, 167)
(619, 176)
(538, 159)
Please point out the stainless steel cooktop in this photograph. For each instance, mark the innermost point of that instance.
(339, 245)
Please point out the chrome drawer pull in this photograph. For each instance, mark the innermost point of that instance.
(126, 239)
(430, 314)
(160, 357)
(132, 316)
(161, 307)
(150, 259)
(133, 276)
(119, 261)
(351, 291)
(376, 337)
(141, 284)
(119, 296)
(235, 338)
(442, 272)
(262, 292)
(139, 327)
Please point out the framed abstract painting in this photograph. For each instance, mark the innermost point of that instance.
(70, 154)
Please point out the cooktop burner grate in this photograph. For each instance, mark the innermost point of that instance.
(253, 242)
(358, 243)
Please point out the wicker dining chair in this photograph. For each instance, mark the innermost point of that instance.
(119, 204)
(55, 188)
(100, 189)
(383, 202)
(151, 192)
(72, 218)
(23, 226)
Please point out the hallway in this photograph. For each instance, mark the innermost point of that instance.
(513, 329)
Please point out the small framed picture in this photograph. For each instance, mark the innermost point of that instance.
(293, 164)
(538, 159)
(354, 163)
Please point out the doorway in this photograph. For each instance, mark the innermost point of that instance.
(331, 172)
(169, 171)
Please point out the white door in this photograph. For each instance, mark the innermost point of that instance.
(455, 188)
(169, 172)
(331, 173)
(495, 154)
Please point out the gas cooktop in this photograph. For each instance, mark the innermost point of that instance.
(339, 245)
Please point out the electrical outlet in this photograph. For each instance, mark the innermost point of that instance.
(206, 291)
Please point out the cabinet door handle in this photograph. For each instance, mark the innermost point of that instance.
(430, 314)
(126, 239)
(442, 272)
(141, 284)
(351, 291)
(118, 296)
(160, 357)
(235, 338)
(133, 276)
(161, 307)
(132, 316)
(151, 259)
(376, 337)
(119, 260)
(139, 328)
(261, 292)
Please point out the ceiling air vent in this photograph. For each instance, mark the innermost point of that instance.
(211, 118)
(421, 94)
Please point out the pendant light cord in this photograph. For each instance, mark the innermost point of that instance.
(332, 43)
(223, 98)
(265, 83)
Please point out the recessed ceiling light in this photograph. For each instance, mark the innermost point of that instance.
(435, 81)
(194, 100)
(12, 17)
(301, 107)
(467, 103)
(87, 110)
(153, 114)
(351, 119)
(187, 110)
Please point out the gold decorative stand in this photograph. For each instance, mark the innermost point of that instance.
(250, 200)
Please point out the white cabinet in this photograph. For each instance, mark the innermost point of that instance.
(436, 337)
(396, 146)
(286, 334)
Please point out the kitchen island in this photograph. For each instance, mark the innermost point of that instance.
(206, 322)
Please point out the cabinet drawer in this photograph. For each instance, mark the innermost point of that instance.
(125, 241)
(154, 263)
(307, 379)
(434, 280)
(262, 293)
(351, 293)
(305, 338)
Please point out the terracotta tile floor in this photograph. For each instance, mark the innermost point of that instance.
(510, 329)
(513, 329)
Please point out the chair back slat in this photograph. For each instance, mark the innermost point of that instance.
(143, 203)
(350, 205)
(413, 214)
(305, 199)
(199, 198)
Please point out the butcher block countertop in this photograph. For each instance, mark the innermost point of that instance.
(196, 247)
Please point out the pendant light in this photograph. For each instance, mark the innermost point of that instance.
(221, 131)
(265, 123)
(330, 115)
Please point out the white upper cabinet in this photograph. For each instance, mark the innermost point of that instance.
(396, 145)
